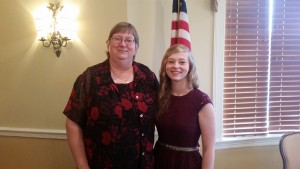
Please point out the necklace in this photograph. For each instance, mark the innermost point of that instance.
(120, 78)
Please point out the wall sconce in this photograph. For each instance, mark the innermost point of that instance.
(51, 27)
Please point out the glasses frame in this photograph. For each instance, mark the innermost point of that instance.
(128, 41)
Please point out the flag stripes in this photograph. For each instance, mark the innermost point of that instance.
(180, 27)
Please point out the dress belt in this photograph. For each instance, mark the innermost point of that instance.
(188, 149)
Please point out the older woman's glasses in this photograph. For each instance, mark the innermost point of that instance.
(128, 41)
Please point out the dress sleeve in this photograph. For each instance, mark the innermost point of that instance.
(205, 99)
(76, 108)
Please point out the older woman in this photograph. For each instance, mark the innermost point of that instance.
(110, 113)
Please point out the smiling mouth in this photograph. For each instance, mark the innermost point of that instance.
(175, 72)
(122, 50)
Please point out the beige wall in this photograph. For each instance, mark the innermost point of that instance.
(34, 153)
(266, 157)
(35, 84)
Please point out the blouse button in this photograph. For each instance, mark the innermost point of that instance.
(143, 153)
(142, 134)
(141, 115)
(136, 97)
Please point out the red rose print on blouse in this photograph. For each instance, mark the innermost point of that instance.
(118, 111)
(126, 104)
(149, 147)
(98, 80)
(142, 107)
(113, 87)
(139, 95)
(106, 138)
(102, 91)
(95, 113)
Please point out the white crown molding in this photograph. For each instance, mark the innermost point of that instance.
(34, 133)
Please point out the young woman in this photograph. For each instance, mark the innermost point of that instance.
(185, 113)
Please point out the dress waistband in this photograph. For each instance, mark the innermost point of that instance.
(188, 149)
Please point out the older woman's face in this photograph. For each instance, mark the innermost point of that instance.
(122, 46)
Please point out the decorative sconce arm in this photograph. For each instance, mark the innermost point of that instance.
(45, 42)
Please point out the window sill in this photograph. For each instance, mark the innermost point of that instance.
(248, 142)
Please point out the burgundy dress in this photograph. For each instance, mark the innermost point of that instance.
(179, 127)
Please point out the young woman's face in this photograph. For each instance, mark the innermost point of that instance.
(122, 46)
(177, 66)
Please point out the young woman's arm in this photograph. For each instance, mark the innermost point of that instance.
(207, 126)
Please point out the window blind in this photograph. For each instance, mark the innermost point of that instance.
(261, 90)
(284, 106)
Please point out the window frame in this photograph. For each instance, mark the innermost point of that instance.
(218, 67)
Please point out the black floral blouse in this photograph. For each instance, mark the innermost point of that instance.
(117, 119)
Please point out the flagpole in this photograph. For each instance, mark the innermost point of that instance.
(178, 19)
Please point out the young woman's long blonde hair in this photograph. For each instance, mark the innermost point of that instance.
(165, 88)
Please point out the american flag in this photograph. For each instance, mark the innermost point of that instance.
(180, 25)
